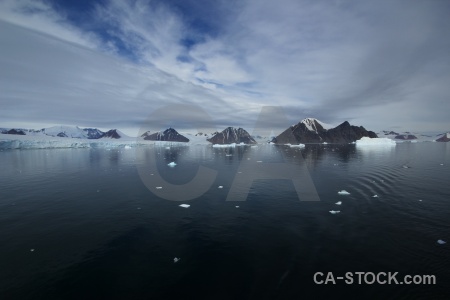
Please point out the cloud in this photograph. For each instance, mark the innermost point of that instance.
(360, 61)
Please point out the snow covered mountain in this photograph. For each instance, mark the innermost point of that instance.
(444, 138)
(312, 131)
(113, 134)
(232, 135)
(169, 135)
(66, 132)
(315, 125)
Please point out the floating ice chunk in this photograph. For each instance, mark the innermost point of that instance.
(127, 147)
(138, 208)
(260, 161)
(333, 212)
(254, 147)
(343, 192)
(172, 164)
(375, 196)
(159, 187)
(297, 146)
(168, 148)
(442, 164)
(32, 250)
(176, 259)
(324, 143)
(220, 186)
(367, 141)
(224, 145)
(406, 167)
(237, 206)
(338, 203)
(441, 242)
(228, 154)
(420, 200)
(184, 205)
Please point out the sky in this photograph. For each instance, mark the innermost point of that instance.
(384, 65)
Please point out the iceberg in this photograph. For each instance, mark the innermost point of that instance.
(224, 145)
(176, 259)
(172, 164)
(184, 205)
(298, 146)
(375, 196)
(343, 192)
(441, 242)
(338, 203)
(367, 141)
(220, 187)
(334, 212)
(159, 187)
(237, 206)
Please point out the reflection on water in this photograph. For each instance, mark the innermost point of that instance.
(98, 232)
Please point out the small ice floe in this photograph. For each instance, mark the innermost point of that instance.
(420, 200)
(32, 250)
(159, 187)
(333, 212)
(406, 167)
(220, 187)
(254, 147)
(375, 196)
(151, 174)
(127, 147)
(237, 206)
(228, 154)
(168, 148)
(184, 205)
(259, 161)
(343, 192)
(442, 164)
(138, 208)
(172, 164)
(176, 259)
(240, 172)
(441, 242)
(338, 203)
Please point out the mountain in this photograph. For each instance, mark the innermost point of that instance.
(13, 131)
(406, 137)
(444, 138)
(168, 135)
(312, 131)
(67, 132)
(113, 134)
(232, 135)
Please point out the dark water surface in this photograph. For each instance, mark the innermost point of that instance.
(99, 233)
